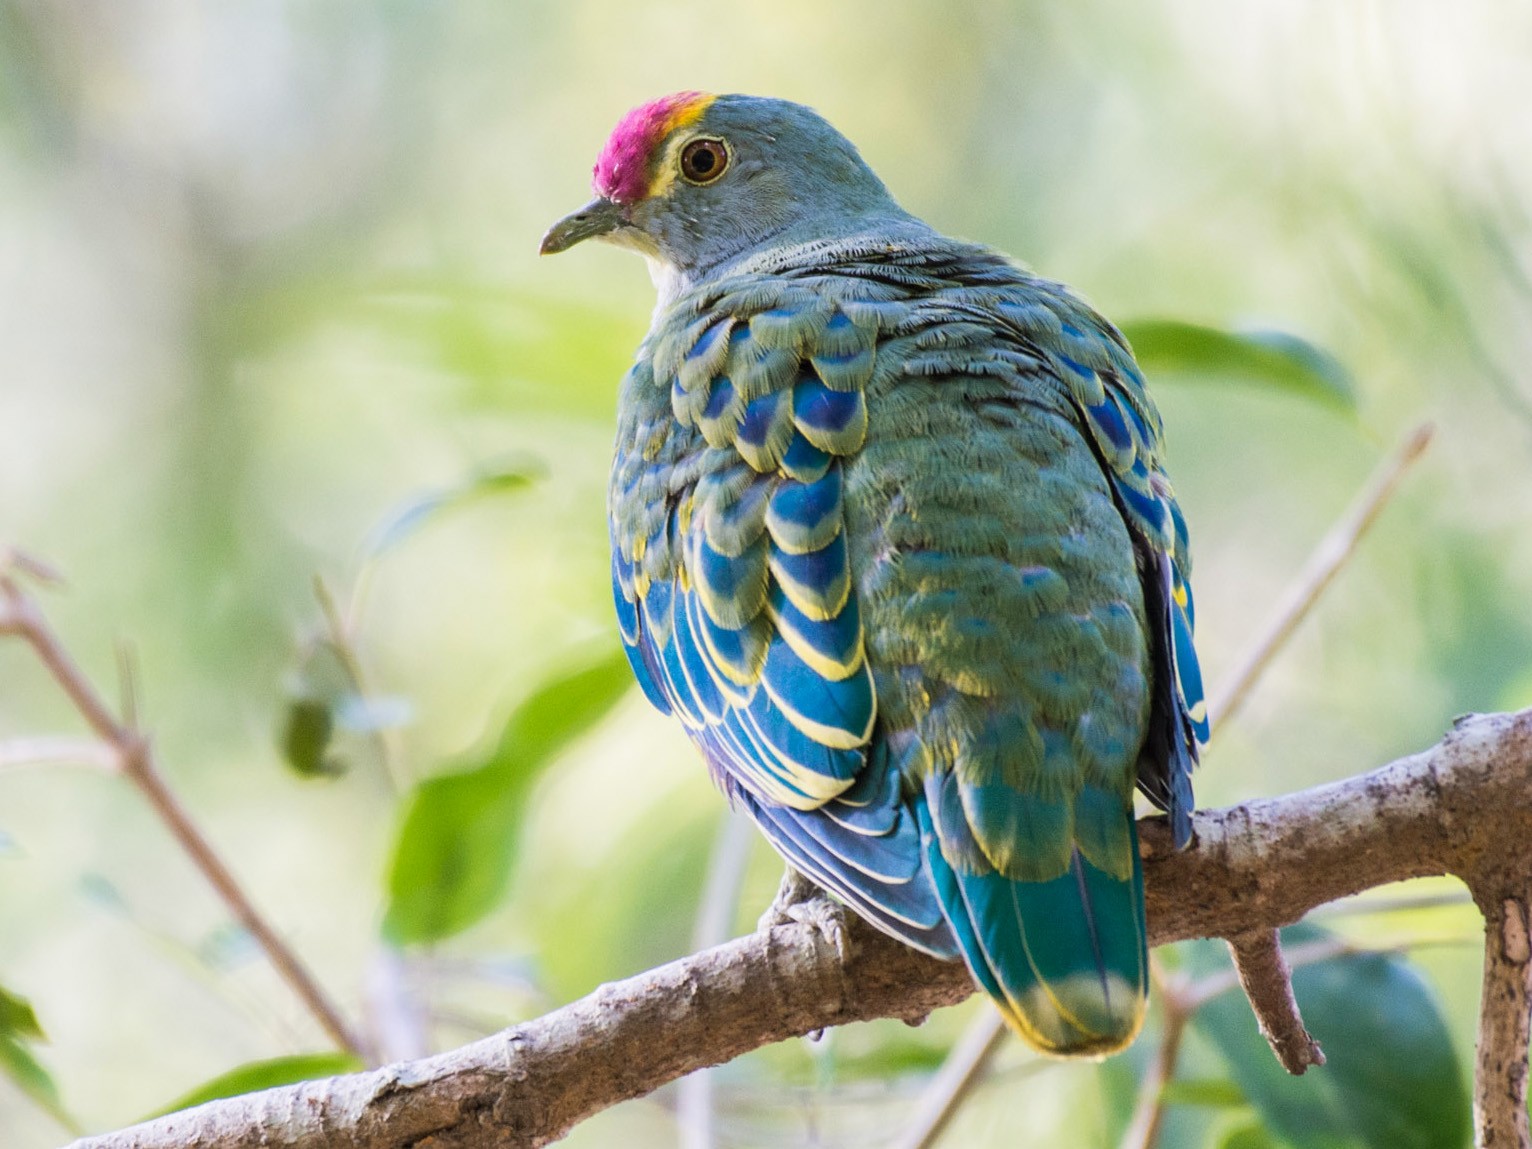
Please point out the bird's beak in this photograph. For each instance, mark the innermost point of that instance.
(598, 217)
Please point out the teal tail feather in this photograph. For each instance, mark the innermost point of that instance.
(1065, 960)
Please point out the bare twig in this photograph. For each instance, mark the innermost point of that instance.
(1263, 972)
(14, 561)
(1323, 565)
(1180, 999)
(127, 685)
(342, 635)
(1205, 989)
(1178, 1003)
(955, 1080)
(1267, 980)
(1394, 905)
(398, 1022)
(47, 751)
(20, 616)
(1259, 865)
(726, 873)
(715, 920)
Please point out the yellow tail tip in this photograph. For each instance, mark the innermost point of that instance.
(1081, 1015)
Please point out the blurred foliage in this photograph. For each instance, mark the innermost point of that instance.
(322, 687)
(268, 1074)
(268, 271)
(20, 1028)
(460, 834)
(1392, 1079)
(1245, 1135)
(1171, 347)
(485, 482)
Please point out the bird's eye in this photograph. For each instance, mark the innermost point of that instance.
(703, 161)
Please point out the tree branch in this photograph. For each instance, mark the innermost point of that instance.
(130, 753)
(1461, 807)
(1268, 983)
(1505, 1013)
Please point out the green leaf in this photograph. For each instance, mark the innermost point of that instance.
(19, 1026)
(304, 739)
(254, 1076)
(316, 689)
(494, 479)
(324, 703)
(455, 850)
(1209, 1093)
(1392, 1079)
(1277, 358)
(510, 350)
(17, 1018)
(1246, 1135)
(28, 1075)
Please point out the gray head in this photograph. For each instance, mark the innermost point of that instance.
(694, 181)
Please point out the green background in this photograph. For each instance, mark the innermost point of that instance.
(268, 276)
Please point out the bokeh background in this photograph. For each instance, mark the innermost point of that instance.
(268, 280)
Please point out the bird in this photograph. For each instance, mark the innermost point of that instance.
(892, 537)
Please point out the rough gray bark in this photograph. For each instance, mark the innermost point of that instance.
(1505, 1013)
(1464, 807)
(1267, 980)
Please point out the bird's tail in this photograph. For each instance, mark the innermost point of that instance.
(1065, 960)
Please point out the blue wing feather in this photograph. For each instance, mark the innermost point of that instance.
(640, 653)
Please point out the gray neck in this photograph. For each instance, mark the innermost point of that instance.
(801, 244)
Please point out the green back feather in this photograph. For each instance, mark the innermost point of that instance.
(906, 487)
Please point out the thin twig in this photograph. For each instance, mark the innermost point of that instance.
(1178, 1003)
(1180, 999)
(19, 616)
(726, 873)
(1214, 985)
(18, 752)
(1361, 907)
(504, 973)
(715, 921)
(1324, 564)
(340, 624)
(475, 1024)
(14, 561)
(127, 680)
(970, 1056)
(399, 1023)
(964, 1065)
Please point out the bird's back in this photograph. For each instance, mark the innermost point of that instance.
(892, 537)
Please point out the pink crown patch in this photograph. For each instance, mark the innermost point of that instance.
(622, 169)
